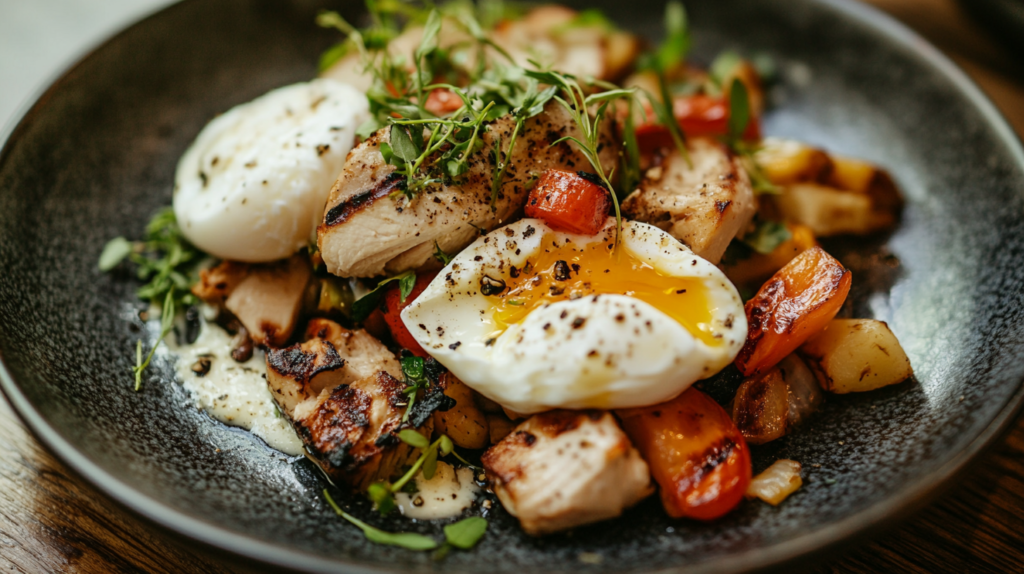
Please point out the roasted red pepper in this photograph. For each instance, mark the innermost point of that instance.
(393, 306)
(573, 202)
(696, 454)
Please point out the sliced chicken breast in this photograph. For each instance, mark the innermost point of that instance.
(704, 206)
(562, 469)
(367, 232)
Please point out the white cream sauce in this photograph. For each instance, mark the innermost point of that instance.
(234, 393)
(447, 494)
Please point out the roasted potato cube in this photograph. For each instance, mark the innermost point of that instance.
(499, 427)
(795, 304)
(464, 423)
(829, 211)
(786, 161)
(856, 355)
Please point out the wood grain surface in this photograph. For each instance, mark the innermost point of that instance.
(50, 521)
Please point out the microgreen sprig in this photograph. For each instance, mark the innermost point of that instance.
(463, 534)
(168, 263)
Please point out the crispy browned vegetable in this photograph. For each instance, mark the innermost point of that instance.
(464, 423)
(796, 303)
(766, 407)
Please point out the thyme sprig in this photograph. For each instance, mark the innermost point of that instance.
(579, 105)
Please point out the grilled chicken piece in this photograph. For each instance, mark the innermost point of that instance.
(267, 299)
(561, 469)
(545, 34)
(366, 232)
(553, 36)
(339, 393)
(705, 206)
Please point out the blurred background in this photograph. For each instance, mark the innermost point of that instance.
(39, 38)
(52, 522)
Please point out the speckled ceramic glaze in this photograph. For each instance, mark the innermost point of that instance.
(95, 156)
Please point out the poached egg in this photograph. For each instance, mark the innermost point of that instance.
(536, 319)
(253, 185)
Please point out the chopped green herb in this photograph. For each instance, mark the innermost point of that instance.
(413, 438)
(408, 540)
(767, 236)
(441, 256)
(465, 533)
(723, 66)
(114, 252)
(739, 111)
(362, 307)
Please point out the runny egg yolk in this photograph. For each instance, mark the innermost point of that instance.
(564, 272)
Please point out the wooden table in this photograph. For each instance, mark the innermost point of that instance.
(50, 521)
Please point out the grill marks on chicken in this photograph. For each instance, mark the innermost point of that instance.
(338, 390)
(367, 232)
(704, 206)
(562, 469)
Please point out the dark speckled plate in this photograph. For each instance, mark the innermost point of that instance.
(95, 156)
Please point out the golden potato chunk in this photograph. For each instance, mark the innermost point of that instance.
(464, 423)
(856, 355)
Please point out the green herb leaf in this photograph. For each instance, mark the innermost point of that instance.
(430, 463)
(429, 41)
(333, 54)
(767, 236)
(402, 144)
(387, 153)
(382, 497)
(677, 40)
(589, 18)
(413, 438)
(465, 533)
(368, 128)
(114, 252)
(362, 307)
(739, 110)
(446, 445)
(408, 540)
(406, 284)
(723, 67)
(412, 368)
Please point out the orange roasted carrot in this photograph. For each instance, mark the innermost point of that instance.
(696, 454)
(794, 304)
(573, 202)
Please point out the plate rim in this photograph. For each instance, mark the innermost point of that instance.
(868, 522)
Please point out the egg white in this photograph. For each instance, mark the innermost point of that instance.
(253, 185)
(550, 360)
